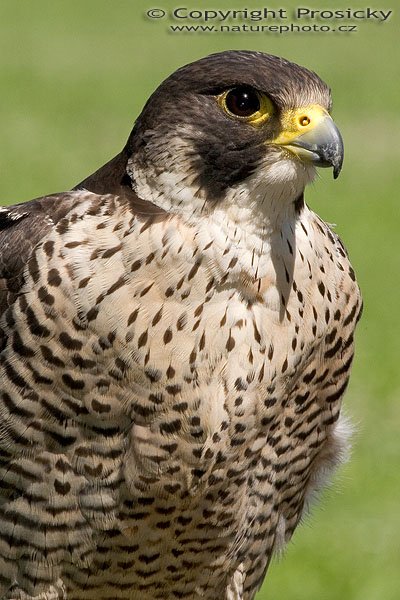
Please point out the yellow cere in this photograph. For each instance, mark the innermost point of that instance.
(297, 121)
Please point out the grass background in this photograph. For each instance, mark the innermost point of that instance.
(73, 77)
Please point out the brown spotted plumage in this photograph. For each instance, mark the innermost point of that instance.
(176, 339)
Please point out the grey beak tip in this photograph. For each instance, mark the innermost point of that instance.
(337, 161)
(325, 143)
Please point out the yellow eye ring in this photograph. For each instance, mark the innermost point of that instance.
(247, 104)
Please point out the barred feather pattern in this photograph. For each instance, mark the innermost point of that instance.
(165, 413)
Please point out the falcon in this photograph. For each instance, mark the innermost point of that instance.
(176, 338)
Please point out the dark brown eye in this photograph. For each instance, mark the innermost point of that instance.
(242, 101)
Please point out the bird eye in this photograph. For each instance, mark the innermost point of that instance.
(242, 101)
(247, 104)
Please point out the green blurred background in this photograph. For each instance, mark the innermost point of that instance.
(73, 77)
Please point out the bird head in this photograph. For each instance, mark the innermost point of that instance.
(233, 120)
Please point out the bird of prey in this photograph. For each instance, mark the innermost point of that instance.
(176, 339)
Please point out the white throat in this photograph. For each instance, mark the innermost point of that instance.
(246, 219)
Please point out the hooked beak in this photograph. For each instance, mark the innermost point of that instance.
(312, 135)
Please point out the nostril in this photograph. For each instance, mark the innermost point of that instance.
(304, 120)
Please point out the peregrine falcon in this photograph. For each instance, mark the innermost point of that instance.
(176, 338)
